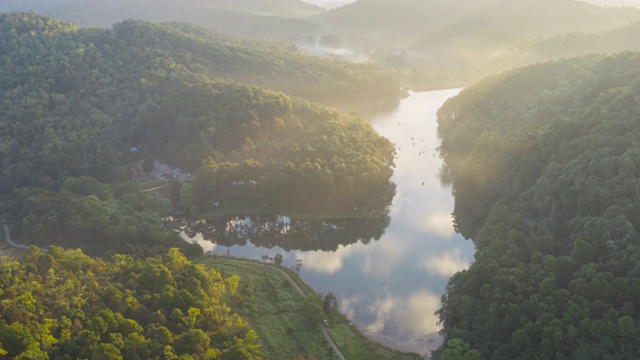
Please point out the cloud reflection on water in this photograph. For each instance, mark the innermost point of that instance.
(377, 261)
(326, 262)
(445, 264)
(410, 316)
(207, 246)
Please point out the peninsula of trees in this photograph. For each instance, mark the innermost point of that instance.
(74, 101)
(545, 164)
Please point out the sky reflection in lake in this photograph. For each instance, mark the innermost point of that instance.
(391, 287)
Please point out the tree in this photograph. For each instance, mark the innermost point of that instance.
(188, 196)
(329, 303)
(244, 349)
(16, 338)
(314, 312)
(106, 351)
(459, 350)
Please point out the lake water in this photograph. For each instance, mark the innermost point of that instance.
(388, 274)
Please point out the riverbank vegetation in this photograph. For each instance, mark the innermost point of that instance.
(544, 164)
(63, 304)
(289, 234)
(84, 213)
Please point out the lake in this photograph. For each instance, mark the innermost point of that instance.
(387, 274)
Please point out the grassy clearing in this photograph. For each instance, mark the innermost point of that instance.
(271, 304)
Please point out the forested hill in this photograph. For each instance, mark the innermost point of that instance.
(545, 168)
(73, 100)
(274, 19)
(270, 65)
(570, 45)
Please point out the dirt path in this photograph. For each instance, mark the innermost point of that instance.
(333, 343)
(7, 236)
(155, 188)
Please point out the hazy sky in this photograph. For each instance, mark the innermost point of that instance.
(635, 3)
(336, 3)
(329, 3)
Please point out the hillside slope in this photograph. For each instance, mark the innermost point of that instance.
(544, 162)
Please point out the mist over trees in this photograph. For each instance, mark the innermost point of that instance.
(430, 44)
(469, 37)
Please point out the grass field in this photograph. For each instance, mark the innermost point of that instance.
(274, 308)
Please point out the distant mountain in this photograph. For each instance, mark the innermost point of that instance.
(446, 42)
(569, 45)
(502, 20)
(265, 19)
(282, 8)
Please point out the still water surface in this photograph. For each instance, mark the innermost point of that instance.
(387, 274)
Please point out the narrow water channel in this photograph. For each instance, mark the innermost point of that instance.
(389, 274)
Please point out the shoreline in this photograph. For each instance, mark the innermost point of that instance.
(343, 320)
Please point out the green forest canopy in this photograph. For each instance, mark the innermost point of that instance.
(66, 305)
(75, 100)
(545, 166)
